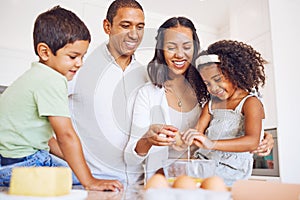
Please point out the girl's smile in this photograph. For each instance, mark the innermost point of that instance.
(216, 83)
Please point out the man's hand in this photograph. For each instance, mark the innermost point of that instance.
(265, 146)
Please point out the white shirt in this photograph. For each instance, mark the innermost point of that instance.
(151, 107)
(101, 102)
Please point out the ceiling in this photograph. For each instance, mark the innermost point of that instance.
(212, 13)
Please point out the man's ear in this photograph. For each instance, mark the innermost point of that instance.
(107, 26)
(43, 51)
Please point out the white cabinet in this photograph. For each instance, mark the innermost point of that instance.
(249, 22)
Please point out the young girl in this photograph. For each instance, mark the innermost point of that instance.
(230, 124)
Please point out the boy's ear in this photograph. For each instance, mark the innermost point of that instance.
(107, 26)
(43, 51)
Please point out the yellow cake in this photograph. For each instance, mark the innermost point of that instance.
(40, 181)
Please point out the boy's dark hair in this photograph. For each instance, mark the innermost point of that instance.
(117, 4)
(158, 69)
(58, 27)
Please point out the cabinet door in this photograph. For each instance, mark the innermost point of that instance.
(263, 45)
(249, 22)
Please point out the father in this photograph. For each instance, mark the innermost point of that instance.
(103, 92)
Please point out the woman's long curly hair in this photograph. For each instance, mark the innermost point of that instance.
(240, 63)
(158, 69)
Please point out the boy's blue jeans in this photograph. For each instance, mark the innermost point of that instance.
(39, 159)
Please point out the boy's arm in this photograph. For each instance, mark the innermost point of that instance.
(71, 149)
(54, 148)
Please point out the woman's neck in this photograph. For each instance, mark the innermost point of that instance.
(177, 82)
(180, 95)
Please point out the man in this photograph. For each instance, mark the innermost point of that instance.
(104, 91)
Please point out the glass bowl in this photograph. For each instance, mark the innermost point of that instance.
(195, 168)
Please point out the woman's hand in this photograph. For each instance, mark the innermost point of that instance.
(265, 146)
(157, 135)
(161, 135)
(179, 144)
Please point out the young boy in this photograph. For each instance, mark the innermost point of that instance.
(35, 106)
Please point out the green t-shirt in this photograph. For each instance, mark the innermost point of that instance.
(24, 109)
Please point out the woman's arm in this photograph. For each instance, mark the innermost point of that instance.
(143, 133)
(157, 135)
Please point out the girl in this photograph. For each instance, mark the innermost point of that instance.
(230, 124)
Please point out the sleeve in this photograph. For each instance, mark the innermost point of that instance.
(52, 99)
(141, 120)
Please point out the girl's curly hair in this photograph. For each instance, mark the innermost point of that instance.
(240, 63)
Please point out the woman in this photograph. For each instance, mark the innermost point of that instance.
(173, 97)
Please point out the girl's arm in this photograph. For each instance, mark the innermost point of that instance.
(71, 149)
(204, 119)
(254, 114)
(203, 122)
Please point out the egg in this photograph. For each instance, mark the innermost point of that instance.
(214, 183)
(185, 182)
(157, 181)
(178, 140)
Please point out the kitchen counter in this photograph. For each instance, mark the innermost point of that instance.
(260, 190)
(131, 193)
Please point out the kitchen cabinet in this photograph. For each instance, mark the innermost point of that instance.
(250, 23)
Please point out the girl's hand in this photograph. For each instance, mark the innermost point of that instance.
(185, 139)
(203, 142)
(104, 185)
(189, 135)
(161, 135)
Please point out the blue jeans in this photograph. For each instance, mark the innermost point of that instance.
(41, 158)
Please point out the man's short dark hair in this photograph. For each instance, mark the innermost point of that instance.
(117, 4)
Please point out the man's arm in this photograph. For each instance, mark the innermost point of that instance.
(265, 146)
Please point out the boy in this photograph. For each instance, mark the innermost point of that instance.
(36, 104)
